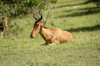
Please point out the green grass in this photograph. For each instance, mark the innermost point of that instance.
(83, 22)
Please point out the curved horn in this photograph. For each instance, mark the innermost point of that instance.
(40, 18)
(35, 17)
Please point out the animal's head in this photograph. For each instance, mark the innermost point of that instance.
(5, 19)
(37, 27)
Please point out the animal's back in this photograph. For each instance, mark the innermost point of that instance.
(58, 36)
(64, 36)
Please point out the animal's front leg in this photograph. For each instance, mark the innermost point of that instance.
(44, 44)
(52, 44)
(1, 35)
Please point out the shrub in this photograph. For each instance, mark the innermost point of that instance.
(53, 1)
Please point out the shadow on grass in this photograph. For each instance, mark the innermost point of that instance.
(88, 1)
(84, 11)
(94, 1)
(93, 28)
(80, 12)
(99, 49)
(68, 5)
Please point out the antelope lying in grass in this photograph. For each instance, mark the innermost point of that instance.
(3, 23)
(51, 36)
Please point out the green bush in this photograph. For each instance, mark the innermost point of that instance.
(53, 1)
(13, 8)
(31, 3)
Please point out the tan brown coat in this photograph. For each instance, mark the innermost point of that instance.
(2, 25)
(51, 36)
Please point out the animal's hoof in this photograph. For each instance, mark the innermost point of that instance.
(43, 44)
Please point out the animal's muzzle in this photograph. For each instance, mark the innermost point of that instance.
(31, 36)
(5, 26)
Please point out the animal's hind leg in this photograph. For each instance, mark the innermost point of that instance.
(52, 44)
(54, 41)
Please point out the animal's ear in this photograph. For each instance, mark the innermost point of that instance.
(43, 26)
(2, 18)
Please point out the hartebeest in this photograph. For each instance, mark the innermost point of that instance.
(51, 36)
(3, 23)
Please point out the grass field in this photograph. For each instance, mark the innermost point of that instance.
(82, 20)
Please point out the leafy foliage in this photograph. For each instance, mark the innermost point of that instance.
(53, 1)
(31, 3)
(18, 7)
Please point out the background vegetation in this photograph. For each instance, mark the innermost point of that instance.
(14, 8)
(78, 17)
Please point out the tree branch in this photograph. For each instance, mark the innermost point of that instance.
(37, 12)
(30, 16)
(48, 15)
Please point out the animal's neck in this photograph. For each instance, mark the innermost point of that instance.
(44, 33)
(42, 30)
